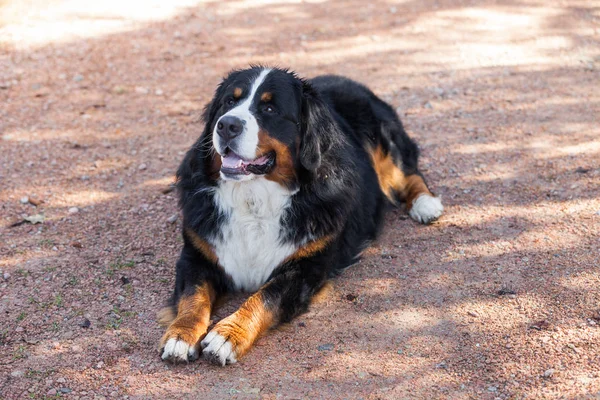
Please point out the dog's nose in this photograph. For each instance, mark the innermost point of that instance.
(229, 127)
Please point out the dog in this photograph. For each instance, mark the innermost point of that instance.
(287, 184)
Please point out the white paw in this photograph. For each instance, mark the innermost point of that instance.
(178, 350)
(217, 349)
(426, 209)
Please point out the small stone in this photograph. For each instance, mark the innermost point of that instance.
(142, 166)
(76, 349)
(473, 314)
(73, 210)
(428, 105)
(325, 347)
(100, 365)
(172, 218)
(51, 392)
(35, 201)
(78, 78)
(548, 373)
(65, 390)
(61, 380)
(492, 389)
(6, 276)
(19, 329)
(125, 280)
(24, 200)
(158, 92)
(141, 90)
(17, 373)
(85, 323)
(119, 89)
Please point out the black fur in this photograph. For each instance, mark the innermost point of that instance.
(328, 125)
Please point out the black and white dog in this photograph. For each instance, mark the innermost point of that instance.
(286, 186)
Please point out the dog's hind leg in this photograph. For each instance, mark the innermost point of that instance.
(395, 160)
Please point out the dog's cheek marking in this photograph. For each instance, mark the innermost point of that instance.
(214, 166)
(311, 248)
(202, 246)
(193, 318)
(233, 336)
(284, 172)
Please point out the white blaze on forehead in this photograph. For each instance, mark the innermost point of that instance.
(247, 142)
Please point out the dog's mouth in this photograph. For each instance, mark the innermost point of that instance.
(232, 164)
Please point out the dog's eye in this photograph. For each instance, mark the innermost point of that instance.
(269, 109)
(230, 102)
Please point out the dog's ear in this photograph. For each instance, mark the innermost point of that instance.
(317, 128)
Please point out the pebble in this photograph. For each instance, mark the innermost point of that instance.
(172, 218)
(17, 373)
(61, 380)
(158, 92)
(492, 389)
(6, 276)
(325, 347)
(73, 210)
(65, 390)
(142, 166)
(51, 392)
(24, 200)
(76, 349)
(141, 90)
(78, 78)
(548, 373)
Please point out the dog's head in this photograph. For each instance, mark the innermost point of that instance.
(266, 122)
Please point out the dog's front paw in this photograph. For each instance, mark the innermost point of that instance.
(220, 346)
(177, 350)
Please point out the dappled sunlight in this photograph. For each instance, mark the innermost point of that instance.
(585, 283)
(83, 198)
(33, 23)
(99, 102)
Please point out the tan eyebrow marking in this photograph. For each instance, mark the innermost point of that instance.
(237, 92)
(266, 96)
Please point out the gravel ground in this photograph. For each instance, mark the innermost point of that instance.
(498, 300)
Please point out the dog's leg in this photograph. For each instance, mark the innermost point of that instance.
(195, 292)
(180, 341)
(285, 296)
(397, 184)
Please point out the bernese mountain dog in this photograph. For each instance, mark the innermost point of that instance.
(285, 187)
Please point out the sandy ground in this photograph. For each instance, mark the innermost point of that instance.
(498, 300)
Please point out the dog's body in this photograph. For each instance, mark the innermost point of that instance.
(285, 187)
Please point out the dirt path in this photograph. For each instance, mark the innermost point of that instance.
(500, 299)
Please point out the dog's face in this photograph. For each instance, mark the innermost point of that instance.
(255, 124)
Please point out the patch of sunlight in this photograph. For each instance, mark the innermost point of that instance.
(492, 37)
(237, 7)
(588, 281)
(32, 23)
(83, 198)
(484, 147)
(166, 181)
(76, 135)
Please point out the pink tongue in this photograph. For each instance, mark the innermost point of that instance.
(232, 160)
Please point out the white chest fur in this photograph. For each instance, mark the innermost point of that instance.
(250, 247)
